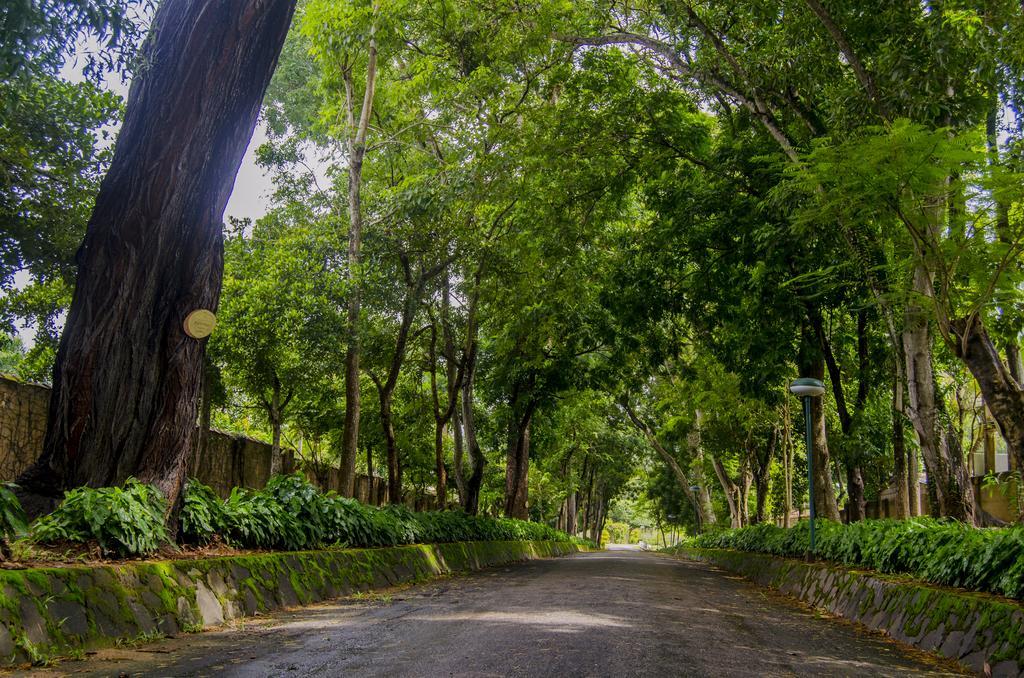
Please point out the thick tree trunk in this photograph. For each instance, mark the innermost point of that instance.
(954, 497)
(517, 465)
(127, 377)
(761, 465)
(856, 503)
(459, 451)
(356, 154)
(570, 513)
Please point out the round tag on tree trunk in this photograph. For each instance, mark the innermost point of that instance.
(199, 324)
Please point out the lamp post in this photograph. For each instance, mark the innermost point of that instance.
(806, 389)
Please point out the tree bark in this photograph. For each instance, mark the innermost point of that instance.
(705, 517)
(812, 364)
(703, 492)
(477, 461)
(787, 463)
(732, 492)
(1001, 392)
(356, 156)
(517, 465)
(899, 451)
(953, 492)
(856, 504)
(127, 377)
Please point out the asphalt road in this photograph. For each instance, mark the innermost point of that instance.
(615, 613)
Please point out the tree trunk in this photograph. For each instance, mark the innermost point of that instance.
(856, 504)
(391, 445)
(517, 465)
(459, 451)
(274, 414)
(369, 461)
(732, 492)
(761, 469)
(954, 498)
(899, 453)
(746, 480)
(356, 154)
(441, 473)
(205, 410)
(127, 377)
(570, 513)
(1001, 392)
(812, 364)
(787, 463)
(477, 461)
(705, 516)
(693, 441)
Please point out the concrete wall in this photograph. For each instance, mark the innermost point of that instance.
(228, 461)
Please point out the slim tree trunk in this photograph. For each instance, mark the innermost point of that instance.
(356, 154)
(477, 461)
(205, 410)
(954, 497)
(899, 452)
(812, 364)
(126, 378)
(787, 462)
(702, 509)
(693, 441)
(999, 388)
(732, 493)
(517, 465)
(275, 416)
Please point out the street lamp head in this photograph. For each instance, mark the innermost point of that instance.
(805, 387)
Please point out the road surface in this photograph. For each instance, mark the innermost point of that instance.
(613, 613)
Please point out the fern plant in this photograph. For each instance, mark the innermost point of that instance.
(124, 521)
(13, 522)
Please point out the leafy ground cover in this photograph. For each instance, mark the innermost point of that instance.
(290, 513)
(937, 551)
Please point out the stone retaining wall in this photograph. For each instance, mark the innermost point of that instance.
(227, 461)
(48, 612)
(981, 631)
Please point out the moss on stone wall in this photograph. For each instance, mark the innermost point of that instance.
(52, 611)
(973, 628)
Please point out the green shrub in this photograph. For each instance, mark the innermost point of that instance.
(202, 513)
(125, 521)
(291, 513)
(938, 551)
(13, 521)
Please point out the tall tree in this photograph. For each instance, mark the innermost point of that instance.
(153, 251)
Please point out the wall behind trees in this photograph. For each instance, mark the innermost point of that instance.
(228, 460)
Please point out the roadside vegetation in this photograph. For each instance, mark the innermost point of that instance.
(290, 513)
(548, 261)
(936, 551)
